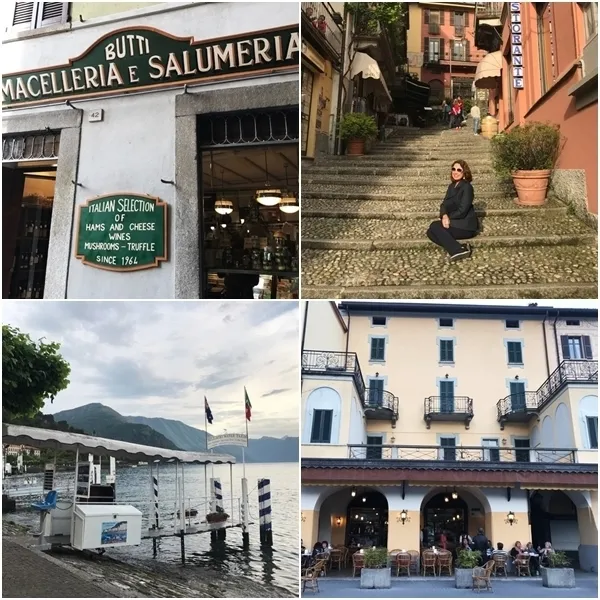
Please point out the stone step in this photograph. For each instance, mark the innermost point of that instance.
(394, 171)
(408, 209)
(474, 142)
(366, 233)
(447, 154)
(492, 272)
(389, 186)
(396, 195)
(382, 161)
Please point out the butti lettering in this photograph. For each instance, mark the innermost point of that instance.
(143, 57)
(516, 40)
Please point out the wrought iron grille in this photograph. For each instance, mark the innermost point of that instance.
(517, 403)
(568, 371)
(448, 405)
(335, 363)
(248, 129)
(33, 146)
(376, 398)
(484, 454)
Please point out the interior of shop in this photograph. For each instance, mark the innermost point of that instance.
(250, 221)
(27, 199)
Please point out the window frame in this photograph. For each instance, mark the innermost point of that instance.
(443, 449)
(509, 328)
(443, 343)
(440, 326)
(508, 352)
(585, 11)
(377, 338)
(573, 323)
(488, 449)
(591, 420)
(319, 412)
(37, 20)
(373, 324)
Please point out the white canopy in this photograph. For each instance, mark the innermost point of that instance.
(489, 70)
(62, 440)
(368, 68)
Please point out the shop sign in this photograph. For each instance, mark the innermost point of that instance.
(122, 232)
(516, 41)
(228, 439)
(139, 58)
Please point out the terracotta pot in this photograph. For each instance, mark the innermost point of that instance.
(356, 147)
(531, 187)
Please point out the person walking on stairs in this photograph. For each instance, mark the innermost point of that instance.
(476, 116)
(458, 220)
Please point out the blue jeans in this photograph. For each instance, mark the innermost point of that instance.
(476, 125)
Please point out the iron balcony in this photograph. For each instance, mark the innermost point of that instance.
(343, 364)
(448, 456)
(381, 405)
(444, 408)
(520, 408)
(488, 10)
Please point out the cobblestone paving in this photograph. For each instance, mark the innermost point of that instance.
(374, 211)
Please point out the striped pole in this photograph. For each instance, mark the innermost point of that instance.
(244, 514)
(155, 493)
(264, 512)
(217, 495)
(49, 477)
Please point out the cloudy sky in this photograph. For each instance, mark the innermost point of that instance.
(159, 359)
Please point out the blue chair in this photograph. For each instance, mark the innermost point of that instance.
(48, 503)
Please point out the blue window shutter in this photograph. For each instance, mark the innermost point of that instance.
(564, 342)
(587, 347)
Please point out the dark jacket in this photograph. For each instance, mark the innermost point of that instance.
(458, 205)
(480, 542)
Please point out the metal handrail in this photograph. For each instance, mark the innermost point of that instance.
(485, 454)
(376, 398)
(335, 363)
(515, 403)
(460, 405)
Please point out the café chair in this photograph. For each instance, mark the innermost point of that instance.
(482, 575)
(522, 563)
(428, 561)
(500, 563)
(358, 562)
(403, 560)
(445, 562)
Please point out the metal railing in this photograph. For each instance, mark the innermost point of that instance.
(376, 399)
(437, 58)
(488, 10)
(568, 371)
(335, 363)
(517, 403)
(448, 405)
(484, 454)
(434, 28)
(330, 30)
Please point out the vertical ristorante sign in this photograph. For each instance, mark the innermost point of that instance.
(147, 58)
(516, 41)
(122, 232)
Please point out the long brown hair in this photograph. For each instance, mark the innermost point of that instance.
(467, 175)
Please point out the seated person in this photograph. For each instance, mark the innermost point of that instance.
(500, 551)
(534, 561)
(516, 550)
(545, 553)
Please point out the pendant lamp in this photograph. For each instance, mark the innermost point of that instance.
(269, 196)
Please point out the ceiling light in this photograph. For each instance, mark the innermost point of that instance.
(289, 205)
(269, 197)
(223, 225)
(224, 207)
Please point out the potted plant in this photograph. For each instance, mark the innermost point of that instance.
(558, 573)
(219, 516)
(466, 561)
(528, 154)
(356, 128)
(377, 573)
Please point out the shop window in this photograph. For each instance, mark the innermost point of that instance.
(515, 353)
(576, 347)
(592, 427)
(447, 351)
(34, 15)
(321, 427)
(378, 349)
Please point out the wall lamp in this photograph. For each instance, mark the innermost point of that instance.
(338, 521)
(403, 517)
(510, 518)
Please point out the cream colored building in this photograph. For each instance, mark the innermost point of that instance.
(421, 418)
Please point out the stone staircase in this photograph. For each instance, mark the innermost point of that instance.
(364, 221)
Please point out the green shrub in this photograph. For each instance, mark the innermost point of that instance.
(358, 126)
(531, 147)
(468, 559)
(376, 558)
(558, 560)
(468, 104)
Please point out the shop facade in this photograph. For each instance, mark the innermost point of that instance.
(420, 420)
(546, 70)
(153, 153)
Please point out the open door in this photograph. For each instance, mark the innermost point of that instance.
(13, 183)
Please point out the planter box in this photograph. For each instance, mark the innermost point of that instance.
(463, 578)
(376, 578)
(558, 578)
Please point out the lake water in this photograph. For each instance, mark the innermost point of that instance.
(278, 567)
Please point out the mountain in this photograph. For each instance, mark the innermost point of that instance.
(100, 420)
(264, 449)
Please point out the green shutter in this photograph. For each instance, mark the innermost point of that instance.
(452, 18)
(442, 12)
(426, 16)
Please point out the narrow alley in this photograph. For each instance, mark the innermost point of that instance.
(365, 218)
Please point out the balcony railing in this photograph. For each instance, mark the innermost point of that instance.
(488, 10)
(569, 371)
(381, 405)
(445, 59)
(335, 363)
(460, 454)
(521, 407)
(328, 25)
(459, 31)
(445, 408)
(434, 28)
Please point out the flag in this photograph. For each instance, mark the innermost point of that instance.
(209, 416)
(248, 405)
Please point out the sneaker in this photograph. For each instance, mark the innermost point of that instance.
(465, 253)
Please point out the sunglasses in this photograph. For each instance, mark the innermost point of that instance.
(457, 170)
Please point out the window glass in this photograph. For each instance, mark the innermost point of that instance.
(446, 351)
(321, 427)
(512, 324)
(377, 348)
(590, 19)
(446, 322)
(515, 353)
(379, 320)
(592, 424)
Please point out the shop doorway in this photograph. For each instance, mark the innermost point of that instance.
(27, 200)
(444, 514)
(250, 206)
(367, 519)
(554, 520)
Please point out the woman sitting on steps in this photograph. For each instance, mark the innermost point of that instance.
(458, 220)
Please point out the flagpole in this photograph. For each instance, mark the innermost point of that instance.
(206, 506)
(243, 452)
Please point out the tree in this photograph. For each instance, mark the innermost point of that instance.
(32, 372)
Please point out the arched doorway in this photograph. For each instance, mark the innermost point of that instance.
(367, 520)
(445, 513)
(554, 520)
